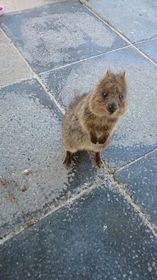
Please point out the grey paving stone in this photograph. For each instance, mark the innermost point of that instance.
(10, 212)
(57, 34)
(30, 133)
(12, 66)
(137, 131)
(136, 19)
(98, 237)
(16, 5)
(149, 48)
(141, 181)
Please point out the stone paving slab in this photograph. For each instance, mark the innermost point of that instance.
(141, 181)
(58, 34)
(137, 131)
(10, 212)
(149, 48)
(30, 133)
(98, 237)
(17, 5)
(12, 66)
(136, 19)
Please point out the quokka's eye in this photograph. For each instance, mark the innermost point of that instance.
(105, 94)
(121, 97)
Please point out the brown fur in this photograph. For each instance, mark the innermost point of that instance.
(91, 119)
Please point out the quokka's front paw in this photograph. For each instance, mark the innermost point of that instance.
(102, 139)
(94, 139)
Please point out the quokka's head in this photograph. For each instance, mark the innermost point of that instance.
(110, 95)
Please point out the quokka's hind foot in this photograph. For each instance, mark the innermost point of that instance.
(68, 159)
(98, 160)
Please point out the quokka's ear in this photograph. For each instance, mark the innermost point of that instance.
(122, 74)
(108, 73)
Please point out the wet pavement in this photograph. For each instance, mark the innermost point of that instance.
(83, 223)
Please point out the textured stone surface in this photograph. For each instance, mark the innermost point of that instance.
(136, 19)
(16, 5)
(10, 212)
(30, 133)
(149, 48)
(137, 131)
(57, 34)
(12, 65)
(141, 181)
(99, 236)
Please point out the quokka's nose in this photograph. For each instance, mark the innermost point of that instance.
(112, 108)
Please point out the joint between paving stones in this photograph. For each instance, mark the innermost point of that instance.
(137, 159)
(36, 76)
(63, 202)
(117, 31)
(145, 40)
(51, 95)
(126, 195)
(86, 189)
(84, 59)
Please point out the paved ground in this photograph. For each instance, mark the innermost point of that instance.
(83, 223)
